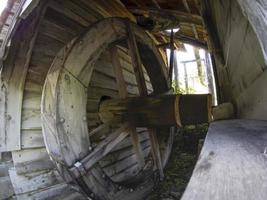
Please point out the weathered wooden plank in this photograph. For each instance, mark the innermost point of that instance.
(56, 32)
(66, 11)
(127, 142)
(136, 61)
(123, 93)
(31, 100)
(34, 181)
(102, 149)
(58, 191)
(119, 155)
(232, 163)
(102, 81)
(6, 188)
(156, 151)
(31, 160)
(32, 139)
(31, 119)
(121, 84)
(126, 170)
(12, 82)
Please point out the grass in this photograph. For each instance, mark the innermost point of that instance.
(181, 164)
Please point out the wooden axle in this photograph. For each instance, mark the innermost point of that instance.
(163, 110)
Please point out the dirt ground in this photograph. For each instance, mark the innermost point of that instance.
(181, 164)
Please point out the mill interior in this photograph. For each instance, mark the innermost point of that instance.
(91, 103)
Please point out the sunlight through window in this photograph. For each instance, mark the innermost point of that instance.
(3, 4)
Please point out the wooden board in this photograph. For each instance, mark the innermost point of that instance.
(13, 77)
(232, 163)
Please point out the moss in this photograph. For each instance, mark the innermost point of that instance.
(181, 164)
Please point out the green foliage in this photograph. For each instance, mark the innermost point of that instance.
(179, 90)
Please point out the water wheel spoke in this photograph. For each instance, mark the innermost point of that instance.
(102, 149)
(141, 84)
(123, 93)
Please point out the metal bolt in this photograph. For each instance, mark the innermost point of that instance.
(90, 148)
(131, 190)
(62, 120)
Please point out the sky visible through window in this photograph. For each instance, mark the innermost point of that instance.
(3, 4)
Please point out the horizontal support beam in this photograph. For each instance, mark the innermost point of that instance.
(180, 16)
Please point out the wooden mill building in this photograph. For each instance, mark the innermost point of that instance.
(87, 109)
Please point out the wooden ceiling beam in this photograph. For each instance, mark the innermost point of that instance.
(178, 15)
(189, 11)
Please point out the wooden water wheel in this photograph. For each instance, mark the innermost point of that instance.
(67, 113)
(122, 155)
(107, 161)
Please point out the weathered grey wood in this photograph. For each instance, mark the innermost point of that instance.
(58, 191)
(12, 82)
(87, 50)
(31, 160)
(136, 61)
(6, 188)
(254, 11)
(34, 181)
(232, 163)
(102, 149)
(123, 94)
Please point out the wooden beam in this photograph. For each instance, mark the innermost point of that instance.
(102, 149)
(186, 39)
(171, 55)
(123, 93)
(156, 151)
(193, 25)
(154, 111)
(139, 74)
(136, 61)
(180, 16)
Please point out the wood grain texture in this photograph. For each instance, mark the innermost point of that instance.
(232, 163)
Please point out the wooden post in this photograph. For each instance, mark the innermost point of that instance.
(123, 94)
(176, 71)
(171, 56)
(186, 79)
(141, 83)
(209, 76)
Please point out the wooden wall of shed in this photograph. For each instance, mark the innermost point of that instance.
(243, 76)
